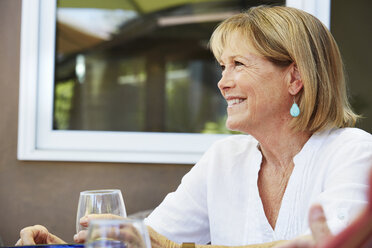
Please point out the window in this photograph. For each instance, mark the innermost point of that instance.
(139, 87)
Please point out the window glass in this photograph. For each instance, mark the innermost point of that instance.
(139, 65)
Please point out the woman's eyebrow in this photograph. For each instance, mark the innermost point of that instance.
(232, 57)
(248, 58)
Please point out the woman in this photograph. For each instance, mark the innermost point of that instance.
(283, 80)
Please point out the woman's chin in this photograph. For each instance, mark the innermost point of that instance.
(232, 125)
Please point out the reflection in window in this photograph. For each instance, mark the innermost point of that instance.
(142, 66)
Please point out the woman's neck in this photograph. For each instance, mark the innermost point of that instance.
(280, 145)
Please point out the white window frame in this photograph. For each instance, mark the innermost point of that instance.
(38, 141)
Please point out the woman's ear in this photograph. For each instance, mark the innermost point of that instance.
(295, 83)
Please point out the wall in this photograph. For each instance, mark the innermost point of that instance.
(47, 192)
(351, 26)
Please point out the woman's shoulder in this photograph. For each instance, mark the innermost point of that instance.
(344, 142)
(350, 135)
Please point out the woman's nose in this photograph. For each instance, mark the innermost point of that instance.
(226, 81)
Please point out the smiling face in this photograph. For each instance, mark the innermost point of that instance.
(256, 90)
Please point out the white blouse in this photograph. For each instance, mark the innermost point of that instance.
(218, 200)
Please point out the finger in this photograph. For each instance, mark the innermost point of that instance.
(19, 243)
(29, 234)
(130, 234)
(132, 237)
(81, 236)
(52, 239)
(318, 224)
(84, 221)
(125, 232)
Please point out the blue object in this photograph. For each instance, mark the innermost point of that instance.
(295, 110)
(50, 246)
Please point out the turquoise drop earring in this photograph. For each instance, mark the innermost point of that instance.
(295, 110)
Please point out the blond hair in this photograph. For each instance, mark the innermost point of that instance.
(285, 35)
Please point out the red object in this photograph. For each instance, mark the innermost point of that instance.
(359, 233)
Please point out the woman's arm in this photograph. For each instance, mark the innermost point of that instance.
(37, 234)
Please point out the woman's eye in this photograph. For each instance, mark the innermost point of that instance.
(223, 67)
(237, 63)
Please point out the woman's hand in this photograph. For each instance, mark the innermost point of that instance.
(319, 229)
(133, 238)
(35, 235)
(84, 221)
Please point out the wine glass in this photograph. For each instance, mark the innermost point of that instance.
(108, 201)
(125, 233)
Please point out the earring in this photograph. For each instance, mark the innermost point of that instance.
(295, 110)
